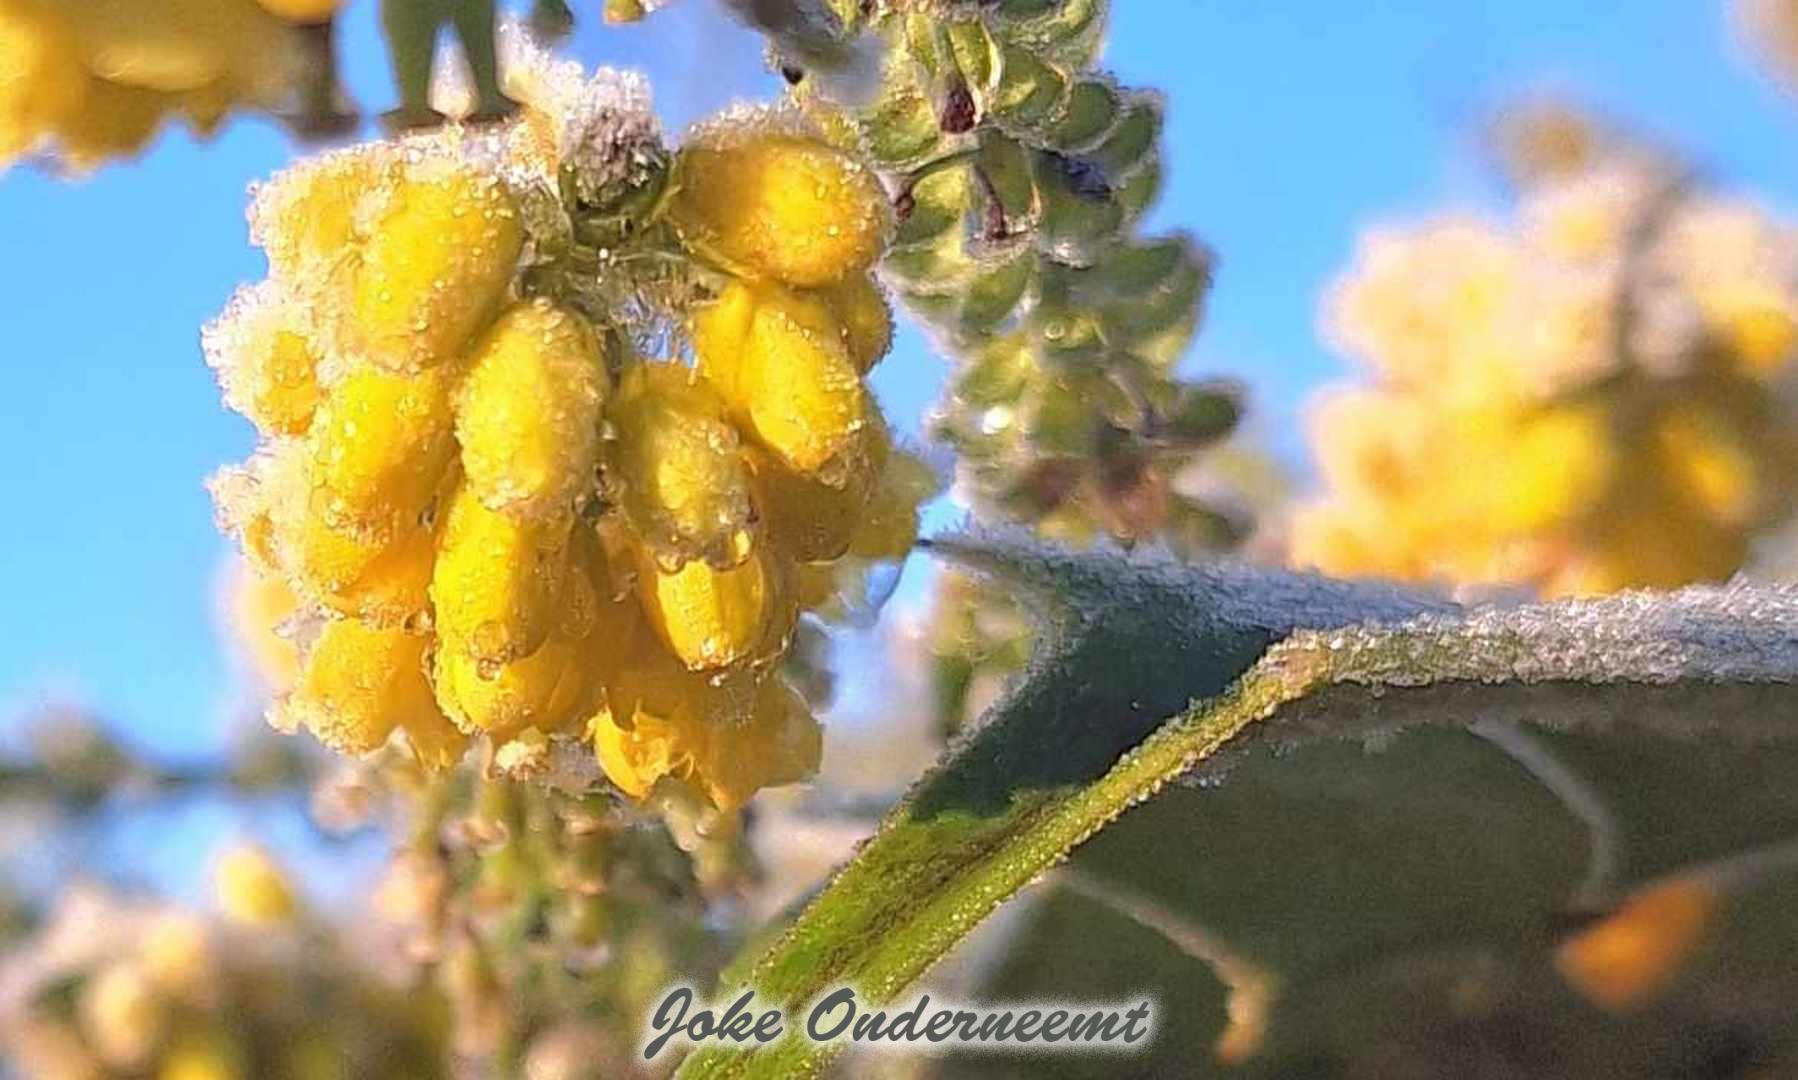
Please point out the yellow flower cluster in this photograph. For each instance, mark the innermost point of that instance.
(500, 519)
(92, 81)
(1585, 402)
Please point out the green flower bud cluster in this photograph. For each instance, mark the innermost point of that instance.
(1022, 173)
(534, 911)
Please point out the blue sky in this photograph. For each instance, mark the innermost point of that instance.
(1291, 124)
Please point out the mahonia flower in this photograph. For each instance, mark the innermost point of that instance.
(1592, 400)
(86, 82)
(509, 504)
(252, 889)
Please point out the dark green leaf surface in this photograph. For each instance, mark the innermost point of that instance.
(1148, 667)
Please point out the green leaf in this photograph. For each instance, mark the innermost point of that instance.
(1146, 668)
(1432, 857)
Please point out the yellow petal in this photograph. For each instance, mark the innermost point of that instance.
(527, 415)
(378, 449)
(659, 715)
(780, 744)
(861, 309)
(440, 253)
(788, 207)
(359, 683)
(811, 519)
(789, 381)
(712, 618)
(677, 469)
(497, 581)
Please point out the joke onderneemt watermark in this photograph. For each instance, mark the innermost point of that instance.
(838, 1016)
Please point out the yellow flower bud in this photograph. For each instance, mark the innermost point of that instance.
(678, 469)
(1547, 466)
(308, 218)
(242, 501)
(621, 12)
(785, 206)
(635, 758)
(285, 394)
(720, 329)
(528, 413)
(553, 689)
(1640, 542)
(278, 522)
(441, 250)
(323, 561)
(866, 318)
(658, 714)
(378, 449)
(178, 956)
(497, 581)
(728, 744)
(205, 1056)
(380, 580)
(251, 889)
(359, 683)
(1764, 337)
(394, 590)
(122, 1014)
(714, 618)
(781, 744)
(265, 365)
(811, 519)
(556, 688)
(788, 377)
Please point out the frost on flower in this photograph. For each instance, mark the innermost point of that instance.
(1590, 399)
(560, 438)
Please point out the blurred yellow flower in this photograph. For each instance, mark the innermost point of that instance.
(1588, 402)
(251, 889)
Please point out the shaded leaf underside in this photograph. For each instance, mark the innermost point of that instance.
(1148, 668)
